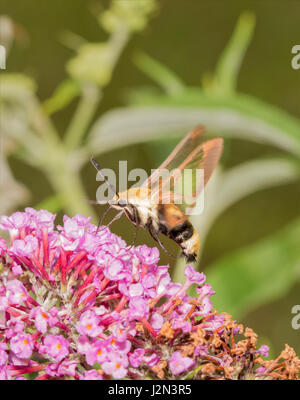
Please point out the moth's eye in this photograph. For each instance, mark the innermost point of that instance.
(122, 203)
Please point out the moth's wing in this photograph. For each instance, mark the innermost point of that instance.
(177, 157)
(203, 157)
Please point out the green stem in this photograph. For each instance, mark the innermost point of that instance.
(118, 41)
(72, 195)
(43, 125)
(91, 94)
(83, 115)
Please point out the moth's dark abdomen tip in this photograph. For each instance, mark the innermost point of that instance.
(190, 257)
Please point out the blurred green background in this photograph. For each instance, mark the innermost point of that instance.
(173, 48)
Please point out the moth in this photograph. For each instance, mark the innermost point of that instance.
(158, 206)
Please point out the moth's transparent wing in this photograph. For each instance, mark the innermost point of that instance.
(185, 183)
(176, 158)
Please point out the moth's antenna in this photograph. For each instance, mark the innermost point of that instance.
(97, 166)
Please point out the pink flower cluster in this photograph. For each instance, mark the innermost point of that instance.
(77, 303)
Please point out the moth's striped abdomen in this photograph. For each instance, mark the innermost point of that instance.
(188, 239)
(178, 228)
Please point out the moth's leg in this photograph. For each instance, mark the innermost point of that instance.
(115, 218)
(136, 222)
(154, 235)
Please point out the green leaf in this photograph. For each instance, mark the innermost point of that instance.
(231, 59)
(159, 73)
(239, 116)
(63, 95)
(257, 274)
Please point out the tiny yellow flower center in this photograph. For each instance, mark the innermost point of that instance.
(25, 341)
(58, 346)
(44, 315)
(118, 365)
(88, 326)
(99, 352)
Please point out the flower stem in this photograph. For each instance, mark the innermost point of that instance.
(83, 115)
